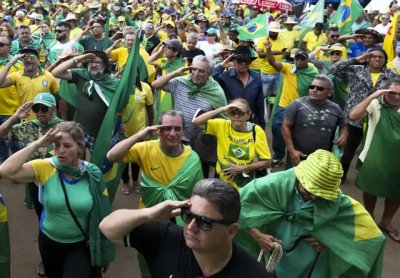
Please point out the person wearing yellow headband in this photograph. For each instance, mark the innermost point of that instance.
(323, 232)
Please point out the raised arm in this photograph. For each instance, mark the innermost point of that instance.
(360, 110)
(201, 120)
(121, 222)
(117, 153)
(63, 70)
(16, 168)
(21, 113)
(271, 59)
(160, 82)
(5, 81)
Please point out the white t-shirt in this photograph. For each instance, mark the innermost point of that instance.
(209, 49)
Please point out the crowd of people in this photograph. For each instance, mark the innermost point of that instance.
(168, 100)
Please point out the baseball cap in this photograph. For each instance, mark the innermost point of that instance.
(176, 44)
(45, 98)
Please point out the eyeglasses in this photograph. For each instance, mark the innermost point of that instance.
(318, 88)
(2, 44)
(204, 223)
(169, 128)
(337, 53)
(60, 31)
(236, 112)
(42, 108)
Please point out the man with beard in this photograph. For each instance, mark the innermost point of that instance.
(191, 50)
(31, 80)
(95, 88)
(62, 44)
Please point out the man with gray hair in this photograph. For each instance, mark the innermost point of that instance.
(191, 50)
(203, 248)
(197, 90)
(147, 37)
(310, 122)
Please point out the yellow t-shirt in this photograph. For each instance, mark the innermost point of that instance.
(135, 111)
(157, 165)
(313, 40)
(28, 88)
(375, 77)
(236, 147)
(277, 45)
(76, 32)
(290, 37)
(8, 96)
(121, 56)
(390, 65)
(289, 87)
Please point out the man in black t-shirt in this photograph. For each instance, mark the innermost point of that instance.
(203, 248)
(191, 51)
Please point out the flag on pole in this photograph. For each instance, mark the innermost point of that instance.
(315, 15)
(389, 42)
(346, 14)
(256, 28)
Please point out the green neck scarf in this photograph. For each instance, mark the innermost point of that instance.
(55, 120)
(212, 91)
(174, 64)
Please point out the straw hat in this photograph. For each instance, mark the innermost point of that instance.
(320, 174)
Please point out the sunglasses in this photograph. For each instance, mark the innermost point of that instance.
(243, 61)
(236, 112)
(3, 44)
(204, 223)
(318, 88)
(42, 108)
(337, 53)
(334, 36)
(170, 128)
(60, 31)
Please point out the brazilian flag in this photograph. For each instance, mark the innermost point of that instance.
(4, 242)
(256, 28)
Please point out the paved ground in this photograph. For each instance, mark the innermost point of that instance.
(23, 233)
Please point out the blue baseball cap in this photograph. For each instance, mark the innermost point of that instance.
(45, 98)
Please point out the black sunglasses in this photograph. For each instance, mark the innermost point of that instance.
(37, 108)
(334, 36)
(60, 31)
(3, 44)
(204, 223)
(335, 53)
(318, 88)
(236, 112)
(170, 128)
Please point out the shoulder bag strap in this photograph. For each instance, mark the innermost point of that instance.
(69, 207)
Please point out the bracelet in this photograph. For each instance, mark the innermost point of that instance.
(75, 61)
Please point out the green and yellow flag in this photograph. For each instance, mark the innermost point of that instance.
(390, 38)
(346, 14)
(256, 28)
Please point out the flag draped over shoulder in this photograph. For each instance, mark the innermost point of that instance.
(346, 14)
(4, 242)
(388, 43)
(256, 28)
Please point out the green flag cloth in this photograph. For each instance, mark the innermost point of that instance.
(179, 188)
(315, 15)
(346, 14)
(256, 28)
(212, 91)
(5, 257)
(379, 173)
(354, 244)
(52, 54)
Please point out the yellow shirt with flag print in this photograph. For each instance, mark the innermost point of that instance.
(276, 45)
(235, 147)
